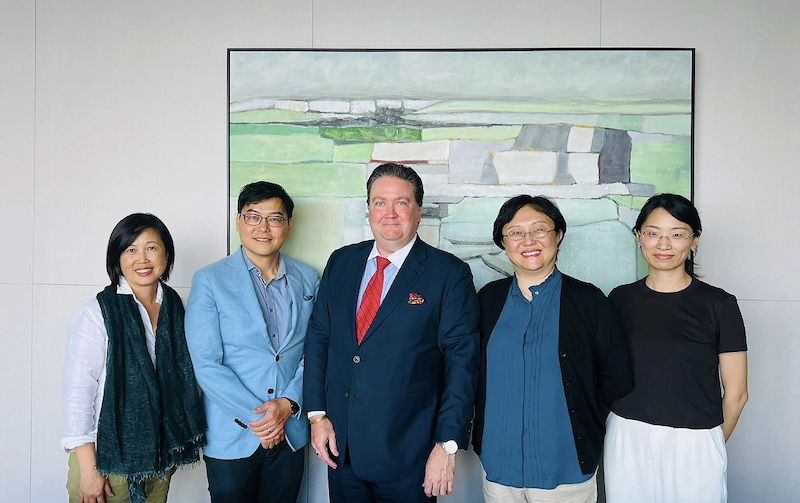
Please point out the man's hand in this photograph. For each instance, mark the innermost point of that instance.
(274, 439)
(269, 429)
(323, 438)
(440, 473)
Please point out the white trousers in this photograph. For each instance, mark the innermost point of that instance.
(584, 492)
(645, 463)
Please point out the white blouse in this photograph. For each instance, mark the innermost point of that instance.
(85, 367)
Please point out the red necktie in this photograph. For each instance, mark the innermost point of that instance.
(371, 300)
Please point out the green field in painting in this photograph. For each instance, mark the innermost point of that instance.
(280, 149)
(373, 134)
(304, 180)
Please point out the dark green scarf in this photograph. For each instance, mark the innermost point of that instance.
(152, 418)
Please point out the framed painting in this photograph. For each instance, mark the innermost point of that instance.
(596, 130)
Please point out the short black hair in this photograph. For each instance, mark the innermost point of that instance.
(681, 209)
(126, 232)
(261, 191)
(401, 172)
(516, 203)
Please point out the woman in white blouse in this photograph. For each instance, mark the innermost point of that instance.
(131, 407)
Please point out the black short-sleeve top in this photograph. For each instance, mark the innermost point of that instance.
(674, 340)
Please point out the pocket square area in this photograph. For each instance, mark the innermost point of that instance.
(415, 298)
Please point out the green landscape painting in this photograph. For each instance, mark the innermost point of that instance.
(596, 130)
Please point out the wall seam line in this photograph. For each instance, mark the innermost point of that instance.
(33, 244)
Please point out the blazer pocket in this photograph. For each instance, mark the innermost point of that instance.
(413, 400)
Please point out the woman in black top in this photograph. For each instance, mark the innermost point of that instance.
(666, 439)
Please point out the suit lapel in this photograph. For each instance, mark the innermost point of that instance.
(412, 269)
(240, 277)
(296, 291)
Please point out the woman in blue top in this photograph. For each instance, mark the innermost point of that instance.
(553, 356)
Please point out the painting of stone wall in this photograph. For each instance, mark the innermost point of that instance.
(598, 131)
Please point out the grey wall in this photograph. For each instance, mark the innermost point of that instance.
(108, 108)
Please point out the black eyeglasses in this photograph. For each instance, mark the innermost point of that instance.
(255, 219)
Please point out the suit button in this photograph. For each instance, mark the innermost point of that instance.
(277, 357)
(578, 437)
(270, 391)
(356, 359)
(572, 411)
(563, 355)
(347, 394)
(582, 461)
(566, 383)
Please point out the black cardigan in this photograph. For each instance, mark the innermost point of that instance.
(593, 352)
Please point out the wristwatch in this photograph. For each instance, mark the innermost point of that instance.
(295, 406)
(450, 447)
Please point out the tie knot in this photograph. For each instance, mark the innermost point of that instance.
(382, 263)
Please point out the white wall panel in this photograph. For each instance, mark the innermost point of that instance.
(53, 306)
(456, 24)
(15, 379)
(746, 130)
(17, 39)
(132, 116)
(763, 455)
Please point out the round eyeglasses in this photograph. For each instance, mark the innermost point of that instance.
(535, 234)
(272, 220)
(652, 237)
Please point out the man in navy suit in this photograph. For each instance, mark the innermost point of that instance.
(390, 400)
(245, 326)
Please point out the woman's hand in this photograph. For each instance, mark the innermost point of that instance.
(94, 487)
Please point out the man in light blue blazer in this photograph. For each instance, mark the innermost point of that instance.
(245, 326)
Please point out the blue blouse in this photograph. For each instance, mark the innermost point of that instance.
(527, 439)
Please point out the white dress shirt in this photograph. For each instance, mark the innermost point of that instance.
(85, 367)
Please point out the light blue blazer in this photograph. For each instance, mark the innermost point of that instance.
(234, 361)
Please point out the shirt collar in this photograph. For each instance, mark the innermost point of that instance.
(250, 266)
(124, 288)
(397, 258)
(544, 286)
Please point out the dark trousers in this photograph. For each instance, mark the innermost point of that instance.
(346, 487)
(266, 476)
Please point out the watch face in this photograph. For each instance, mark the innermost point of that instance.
(450, 447)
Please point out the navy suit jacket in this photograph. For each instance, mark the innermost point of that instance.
(412, 381)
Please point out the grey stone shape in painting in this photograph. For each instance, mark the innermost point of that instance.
(598, 140)
(562, 172)
(468, 158)
(543, 137)
(489, 174)
(615, 157)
